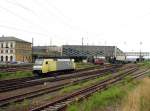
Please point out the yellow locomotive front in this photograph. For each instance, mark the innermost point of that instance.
(44, 66)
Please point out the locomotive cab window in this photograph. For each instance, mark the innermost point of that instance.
(39, 62)
(46, 62)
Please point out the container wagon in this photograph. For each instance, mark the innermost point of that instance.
(43, 67)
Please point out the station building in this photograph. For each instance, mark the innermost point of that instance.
(13, 49)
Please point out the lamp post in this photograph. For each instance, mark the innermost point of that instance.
(140, 51)
(82, 47)
(32, 50)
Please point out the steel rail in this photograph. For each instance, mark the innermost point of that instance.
(61, 102)
(42, 91)
(49, 79)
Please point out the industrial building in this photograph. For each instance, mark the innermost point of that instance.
(13, 49)
(91, 51)
(46, 51)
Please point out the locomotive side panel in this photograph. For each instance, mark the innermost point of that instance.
(64, 65)
(44, 66)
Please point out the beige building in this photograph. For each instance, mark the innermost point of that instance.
(13, 49)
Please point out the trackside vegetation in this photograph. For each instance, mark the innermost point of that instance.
(80, 65)
(105, 100)
(26, 104)
(13, 75)
(139, 98)
(126, 96)
(144, 64)
(82, 84)
(21, 74)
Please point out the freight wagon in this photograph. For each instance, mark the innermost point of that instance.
(98, 61)
(43, 67)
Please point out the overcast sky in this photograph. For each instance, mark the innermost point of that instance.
(100, 22)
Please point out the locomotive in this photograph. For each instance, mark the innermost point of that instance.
(43, 67)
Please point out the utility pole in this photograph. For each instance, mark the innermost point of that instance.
(140, 51)
(105, 49)
(115, 51)
(49, 48)
(82, 45)
(32, 51)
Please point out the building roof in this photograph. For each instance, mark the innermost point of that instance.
(11, 38)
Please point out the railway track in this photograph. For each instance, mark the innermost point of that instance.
(55, 87)
(15, 68)
(27, 68)
(22, 83)
(59, 104)
(16, 81)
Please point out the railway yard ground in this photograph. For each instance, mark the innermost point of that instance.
(99, 88)
(21, 72)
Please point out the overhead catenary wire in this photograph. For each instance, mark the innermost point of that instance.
(14, 2)
(55, 15)
(67, 19)
(22, 30)
(59, 16)
(63, 16)
(22, 18)
(58, 10)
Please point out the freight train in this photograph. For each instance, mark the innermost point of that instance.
(43, 67)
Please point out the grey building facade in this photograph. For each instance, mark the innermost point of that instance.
(90, 51)
(46, 51)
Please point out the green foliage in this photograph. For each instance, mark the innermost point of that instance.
(109, 97)
(80, 65)
(82, 84)
(13, 75)
(23, 106)
(144, 64)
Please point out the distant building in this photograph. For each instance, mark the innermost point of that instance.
(46, 51)
(14, 49)
(91, 51)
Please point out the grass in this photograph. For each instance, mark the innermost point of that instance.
(100, 101)
(26, 104)
(23, 106)
(139, 98)
(21, 74)
(13, 75)
(82, 84)
(80, 65)
(144, 64)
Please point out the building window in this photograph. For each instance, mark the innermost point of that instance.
(11, 58)
(2, 58)
(2, 45)
(6, 45)
(11, 51)
(6, 58)
(2, 51)
(6, 51)
(11, 45)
